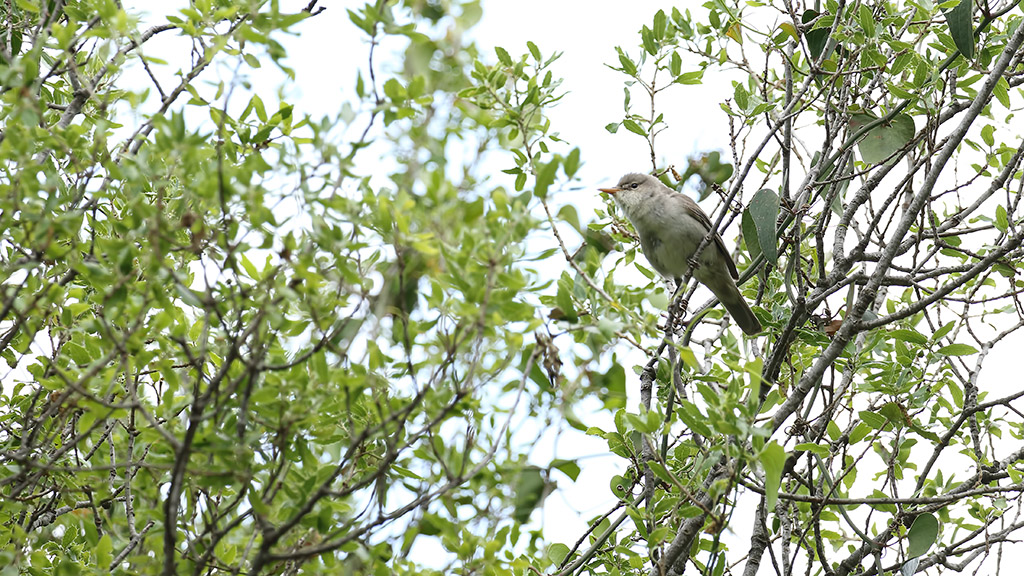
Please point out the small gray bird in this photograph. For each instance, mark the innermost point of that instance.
(671, 226)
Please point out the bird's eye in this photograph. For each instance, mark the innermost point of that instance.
(634, 185)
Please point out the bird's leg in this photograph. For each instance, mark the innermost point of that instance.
(680, 309)
(677, 308)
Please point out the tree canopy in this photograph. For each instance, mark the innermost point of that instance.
(244, 338)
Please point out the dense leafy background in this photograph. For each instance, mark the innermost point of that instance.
(241, 337)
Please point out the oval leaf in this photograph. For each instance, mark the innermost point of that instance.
(773, 459)
(922, 535)
(960, 27)
(764, 212)
(958, 350)
(816, 38)
(883, 140)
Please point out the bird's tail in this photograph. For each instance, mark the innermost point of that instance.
(740, 312)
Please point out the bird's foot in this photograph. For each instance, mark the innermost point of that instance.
(676, 312)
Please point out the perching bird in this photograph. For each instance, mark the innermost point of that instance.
(671, 226)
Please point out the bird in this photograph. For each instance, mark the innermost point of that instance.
(671, 226)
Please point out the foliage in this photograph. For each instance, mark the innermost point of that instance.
(232, 347)
(244, 339)
(884, 243)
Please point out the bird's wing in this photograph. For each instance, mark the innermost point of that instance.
(701, 217)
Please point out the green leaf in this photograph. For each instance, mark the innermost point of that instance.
(564, 300)
(693, 419)
(1002, 91)
(520, 181)
(694, 77)
(885, 139)
(688, 357)
(813, 448)
(619, 486)
(572, 163)
(988, 134)
(1002, 222)
(627, 65)
(741, 96)
(867, 21)
(257, 504)
(647, 36)
(545, 177)
(250, 268)
(872, 419)
(958, 350)
(773, 460)
(763, 210)
(961, 28)
(103, 551)
(943, 330)
(646, 422)
(534, 51)
(568, 467)
(28, 5)
(912, 336)
(557, 553)
(530, 488)
(660, 471)
(660, 25)
(816, 38)
(77, 353)
(569, 215)
(922, 534)
(394, 90)
(633, 127)
(503, 56)
(894, 414)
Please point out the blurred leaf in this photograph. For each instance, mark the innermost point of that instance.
(633, 127)
(565, 304)
(909, 567)
(773, 460)
(545, 177)
(503, 56)
(572, 164)
(530, 488)
(647, 36)
(627, 65)
(534, 51)
(660, 25)
(885, 139)
(557, 553)
(569, 467)
(912, 336)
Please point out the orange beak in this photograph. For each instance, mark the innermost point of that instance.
(611, 191)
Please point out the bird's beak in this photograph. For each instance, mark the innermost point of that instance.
(611, 191)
